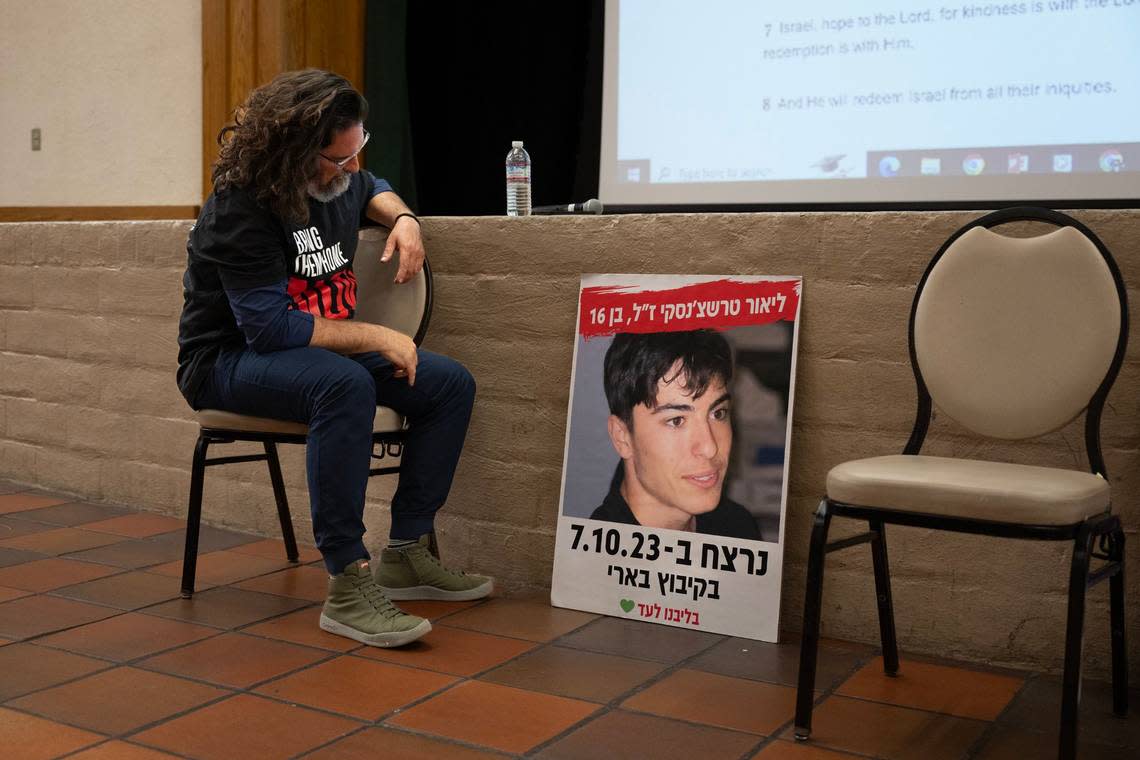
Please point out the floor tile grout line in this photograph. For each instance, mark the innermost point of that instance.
(509, 636)
(26, 517)
(110, 666)
(489, 633)
(322, 710)
(460, 680)
(357, 653)
(776, 740)
(761, 738)
(987, 735)
(111, 739)
(56, 591)
(616, 701)
(248, 689)
(113, 664)
(43, 527)
(52, 591)
(135, 732)
(41, 716)
(234, 693)
(136, 661)
(247, 631)
(71, 498)
(231, 583)
(755, 748)
(36, 556)
(39, 494)
(306, 605)
(73, 556)
(978, 667)
(122, 612)
(123, 734)
(35, 637)
(319, 747)
(913, 708)
(537, 645)
(224, 629)
(860, 663)
(80, 526)
(412, 732)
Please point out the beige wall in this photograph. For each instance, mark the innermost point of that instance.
(88, 403)
(115, 87)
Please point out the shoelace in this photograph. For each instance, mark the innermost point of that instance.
(420, 551)
(375, 597)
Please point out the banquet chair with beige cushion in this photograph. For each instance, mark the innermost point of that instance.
(406, 308)
(1012, 338)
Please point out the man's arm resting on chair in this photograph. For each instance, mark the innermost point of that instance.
(265, 316)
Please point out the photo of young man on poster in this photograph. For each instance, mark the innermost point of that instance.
(675, 469)
(671, 423)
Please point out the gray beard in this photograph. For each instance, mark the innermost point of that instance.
(335, 188)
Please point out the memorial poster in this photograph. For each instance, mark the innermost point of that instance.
(675, 474)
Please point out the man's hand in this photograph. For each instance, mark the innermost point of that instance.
(401, 351)
(347, 336)
(405, 239)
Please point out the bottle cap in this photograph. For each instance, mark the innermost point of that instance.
(516, 143)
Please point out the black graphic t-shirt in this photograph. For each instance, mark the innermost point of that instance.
(238, 245)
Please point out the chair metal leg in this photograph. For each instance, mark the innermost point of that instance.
(1116, 616)
(283, 515)
(1074, 632)
(813, 601)
(194, 516)
(883, 599)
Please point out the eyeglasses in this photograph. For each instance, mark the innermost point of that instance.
(343, 162)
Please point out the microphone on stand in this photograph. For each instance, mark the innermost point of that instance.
(592, 206)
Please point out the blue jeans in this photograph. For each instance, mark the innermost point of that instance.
(336, 396)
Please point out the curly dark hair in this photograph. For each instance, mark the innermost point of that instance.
(635, 363)
(272, 145)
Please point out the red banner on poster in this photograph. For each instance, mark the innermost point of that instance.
(718, 305)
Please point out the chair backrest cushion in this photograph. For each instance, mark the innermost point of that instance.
(378, 298)
(1013, 336)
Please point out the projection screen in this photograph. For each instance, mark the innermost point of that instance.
(833, 102)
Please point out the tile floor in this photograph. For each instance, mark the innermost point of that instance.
(100, 658)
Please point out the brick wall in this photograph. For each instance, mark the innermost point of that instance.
(88, 405)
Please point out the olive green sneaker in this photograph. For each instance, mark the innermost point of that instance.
(356, 607)
(413, 572)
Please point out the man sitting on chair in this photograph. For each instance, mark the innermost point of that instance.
(670, 422)
(267, 330)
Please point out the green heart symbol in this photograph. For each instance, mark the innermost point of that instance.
(626, 604)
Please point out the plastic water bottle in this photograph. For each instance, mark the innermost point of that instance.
(518, 180)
